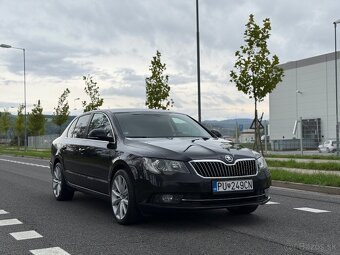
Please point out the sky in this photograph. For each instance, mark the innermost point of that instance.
(114, 42)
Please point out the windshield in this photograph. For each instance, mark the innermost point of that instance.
(151, 125)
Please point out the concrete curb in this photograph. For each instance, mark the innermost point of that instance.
(307, 187)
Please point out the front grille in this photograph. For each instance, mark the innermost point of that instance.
(216, 168)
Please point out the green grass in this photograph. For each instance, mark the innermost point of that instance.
(317, 156)
(11, 150)
(304, 165)
(316, 179)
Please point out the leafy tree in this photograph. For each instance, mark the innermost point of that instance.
(19, 128)
(157, 87)
(61, 113)
(92, 90)
(255, 74)
(5, 121)
(36, 120)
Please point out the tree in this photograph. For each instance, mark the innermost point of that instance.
(157, 87)
(5, 122)
(20, 123)
(61, 113)
(36, 120)
(255, 74)
(92, 90)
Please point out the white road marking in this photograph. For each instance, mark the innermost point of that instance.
(23, 163)
(3, 212)
(9, 222)
(24, 235)
(307, 209)
(272, 203)
(49, 251)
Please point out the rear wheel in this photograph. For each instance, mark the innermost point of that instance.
(60, 189)
(123, 199)
(242, 209)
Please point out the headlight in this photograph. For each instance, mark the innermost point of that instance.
(261, 162)
(158, 166)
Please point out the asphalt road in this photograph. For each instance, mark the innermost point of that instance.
(85, 225)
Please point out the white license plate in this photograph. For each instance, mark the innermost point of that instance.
(237, 185)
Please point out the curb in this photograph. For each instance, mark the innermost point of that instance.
(307, 187)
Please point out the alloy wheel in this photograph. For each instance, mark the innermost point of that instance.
(56, 181)
(119, 197)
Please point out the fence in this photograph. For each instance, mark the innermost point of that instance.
(41, 142)
(293, 144)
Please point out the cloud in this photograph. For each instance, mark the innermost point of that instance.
(115, 40)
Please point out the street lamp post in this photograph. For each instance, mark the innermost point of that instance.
(336, 88)
(25, 102)
(198, 63)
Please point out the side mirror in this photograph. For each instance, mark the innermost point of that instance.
(100, 134)
(216, 133)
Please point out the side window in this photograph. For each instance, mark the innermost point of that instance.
(80, 129)
(71, 129)
(100, 121)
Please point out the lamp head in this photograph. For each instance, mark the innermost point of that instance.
(5, 46)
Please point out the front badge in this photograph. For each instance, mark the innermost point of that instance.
(228, 158)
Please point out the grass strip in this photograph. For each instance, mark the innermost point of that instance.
(305, 165)
(14, 151)
(316, 179)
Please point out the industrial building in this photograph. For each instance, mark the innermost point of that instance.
(306, 92)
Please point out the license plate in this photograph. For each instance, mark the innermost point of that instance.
(237, 185)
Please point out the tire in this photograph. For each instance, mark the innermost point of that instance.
(242, 209)
(319, 150)
(123, 200)
(327, 150)
(61, 191)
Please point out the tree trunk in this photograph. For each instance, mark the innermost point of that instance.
(257, 139)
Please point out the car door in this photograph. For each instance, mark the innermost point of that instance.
(97, 158)
(73, 151)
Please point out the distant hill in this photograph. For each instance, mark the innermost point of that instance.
(228, 127)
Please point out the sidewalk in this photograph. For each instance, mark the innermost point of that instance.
(308, 171)
(306, 160)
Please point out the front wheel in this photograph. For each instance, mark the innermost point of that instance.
(123, 199)
(242, 209)
(60, 189)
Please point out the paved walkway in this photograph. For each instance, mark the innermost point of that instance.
(307, 171)
(306, 160)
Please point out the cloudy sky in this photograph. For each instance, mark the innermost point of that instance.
(114, 41)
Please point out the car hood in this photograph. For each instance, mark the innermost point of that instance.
(186, 149)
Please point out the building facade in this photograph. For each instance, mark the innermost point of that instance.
(307, 92)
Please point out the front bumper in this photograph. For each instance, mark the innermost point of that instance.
(193, 192)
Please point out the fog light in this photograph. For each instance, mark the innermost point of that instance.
(266, 192)
(167, 198)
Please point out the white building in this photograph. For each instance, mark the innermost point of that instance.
(308, 92)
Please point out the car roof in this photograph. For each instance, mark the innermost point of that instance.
(138, 110)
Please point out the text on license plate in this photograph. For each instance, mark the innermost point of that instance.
(223, 186)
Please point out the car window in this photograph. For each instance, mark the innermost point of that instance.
(138, 125)
(71, 128)
(80, 128)
(100, 121)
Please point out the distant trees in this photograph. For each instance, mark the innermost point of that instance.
(62, 111)
(36, 120)
(5, 122)
(157, 87)
(92, 90)
(19, 127)
(255, 74)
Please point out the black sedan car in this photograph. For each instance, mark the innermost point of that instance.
(148, 159)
